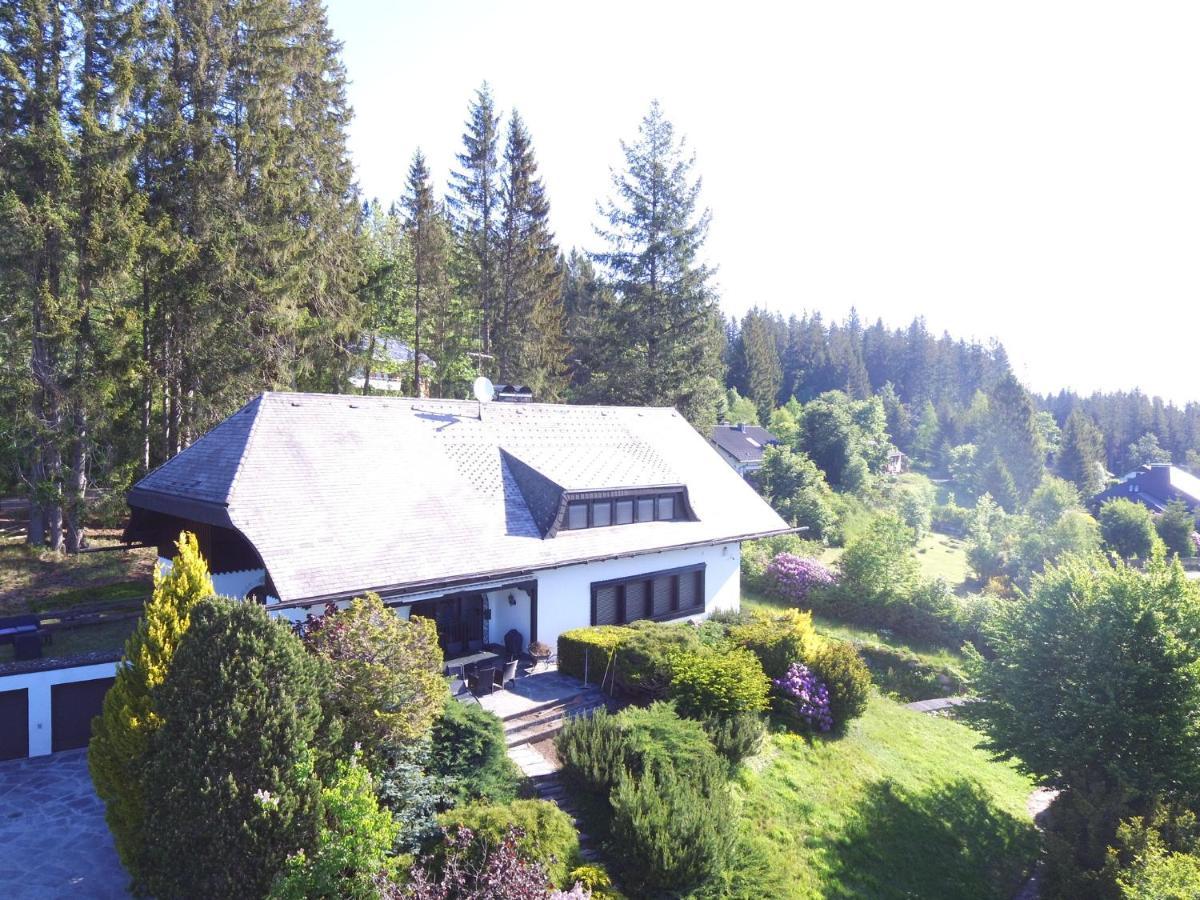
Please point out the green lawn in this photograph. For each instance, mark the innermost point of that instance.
(902, 806)
(940, 556)
(38, 581)
(84, 639)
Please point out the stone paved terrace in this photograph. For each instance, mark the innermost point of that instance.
(534, 690)
(54, 842)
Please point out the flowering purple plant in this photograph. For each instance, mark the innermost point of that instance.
(793, 577)
(809, 694)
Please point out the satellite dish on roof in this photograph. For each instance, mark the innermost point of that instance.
(484, 390)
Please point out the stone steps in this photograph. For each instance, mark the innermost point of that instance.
(547, 720)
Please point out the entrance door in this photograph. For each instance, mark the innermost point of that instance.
(459, 621)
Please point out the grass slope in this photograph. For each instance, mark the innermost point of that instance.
(940, 556)
(902, 806)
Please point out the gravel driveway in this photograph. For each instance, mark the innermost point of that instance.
(52, 831)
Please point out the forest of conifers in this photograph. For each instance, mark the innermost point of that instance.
(180, 229)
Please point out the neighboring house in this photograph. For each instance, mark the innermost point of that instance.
(486, 517)
(742, 445)
(1155, 485)
(391, 367)
(897, 463)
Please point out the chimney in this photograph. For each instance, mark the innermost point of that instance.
(741, 426)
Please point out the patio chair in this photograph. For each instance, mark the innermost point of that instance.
(482, 680)
(458, 683)
(510, 673)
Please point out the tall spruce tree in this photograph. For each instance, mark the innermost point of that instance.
(475, 204)
(426, 246)
(1081, 458)
(37, 217)
(760, 354)
(1011, 435)
(528, 333)
(666, 316)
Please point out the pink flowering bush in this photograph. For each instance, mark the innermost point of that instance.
(794, 577)
(806, 697)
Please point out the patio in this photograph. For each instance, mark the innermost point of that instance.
(535, 690)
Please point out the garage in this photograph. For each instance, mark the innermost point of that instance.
(14, 724)
(73, 705)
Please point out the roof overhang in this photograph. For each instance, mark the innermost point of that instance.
(182, 507)
(392, 593)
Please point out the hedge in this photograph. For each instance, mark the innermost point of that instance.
(595, 644)
(548, 834)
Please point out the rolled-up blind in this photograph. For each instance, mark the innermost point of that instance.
(606, 605)
(635, 600)
(691, 592)
(663, 588)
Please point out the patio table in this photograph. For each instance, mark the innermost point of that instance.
(472, 660)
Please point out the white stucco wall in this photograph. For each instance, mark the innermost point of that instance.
(229, 584)
(565, 595)
(505, 616)
(38, 685)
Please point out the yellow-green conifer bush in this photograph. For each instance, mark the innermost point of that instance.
(121, 733)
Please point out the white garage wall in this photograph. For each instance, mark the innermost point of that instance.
(565, 595)
(38, 684)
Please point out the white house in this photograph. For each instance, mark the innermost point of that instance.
(489, 518)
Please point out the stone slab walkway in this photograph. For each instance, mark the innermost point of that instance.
(936, 704)
(54, 842)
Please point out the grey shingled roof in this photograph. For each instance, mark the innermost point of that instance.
(340, 494)
(737, 445)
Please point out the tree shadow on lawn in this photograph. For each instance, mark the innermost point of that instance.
(948, 841)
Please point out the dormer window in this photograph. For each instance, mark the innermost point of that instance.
(625, 508)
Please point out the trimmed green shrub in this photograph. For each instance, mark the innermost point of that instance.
(230, 784)
(469, 752)
(642, 661)
(673, 837)
(778, 639)
(592, 751)
(548, 835)
(597, 750)
(736, 737)
(707, 682)
(847, 678)
(594, 645)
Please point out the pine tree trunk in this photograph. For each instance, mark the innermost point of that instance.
(77, 481)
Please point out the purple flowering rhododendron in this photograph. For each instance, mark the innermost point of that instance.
(809, 694)
(793, 577)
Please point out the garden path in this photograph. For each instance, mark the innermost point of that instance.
(937, 704)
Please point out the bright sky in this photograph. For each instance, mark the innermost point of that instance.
(1023, 170)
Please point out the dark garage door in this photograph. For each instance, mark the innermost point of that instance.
(72, 707)
(14, 724)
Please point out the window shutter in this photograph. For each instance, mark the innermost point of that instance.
(635, 600)
(691, 594)
(662, 595)
(606, 605)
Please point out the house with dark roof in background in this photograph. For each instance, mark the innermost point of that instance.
(1154, 486)
(391, 366)
(742, 445)
(489, 518)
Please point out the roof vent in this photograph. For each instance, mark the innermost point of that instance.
(514, 393)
